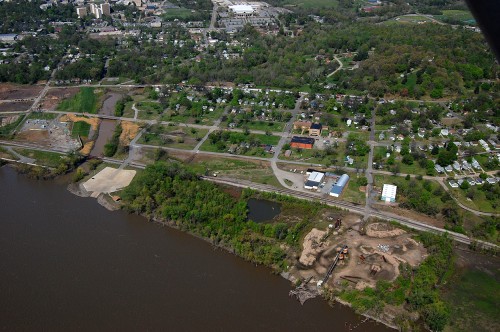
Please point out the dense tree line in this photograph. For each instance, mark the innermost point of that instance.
(20, 15)
(111, 147)
(171, 193)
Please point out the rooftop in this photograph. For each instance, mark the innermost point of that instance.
(389, 191)
(303, 140)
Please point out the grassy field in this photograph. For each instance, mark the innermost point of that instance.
(456, 15)
(81, 129)
(50, 159)
(263, 125)
(83, 101)
(149, 107)
(479, 202)
(474, 302)
(207, 118)
(314, 4)
(259, 175)
(351, 193)
(180, 13)
(237, 137)
(405, 19)
(6, 130)
(4, 153)
(225, 164)
(258, 171)
(173, 137)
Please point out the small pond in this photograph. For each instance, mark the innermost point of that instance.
(262, 210)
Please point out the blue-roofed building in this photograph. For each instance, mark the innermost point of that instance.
(338, 187)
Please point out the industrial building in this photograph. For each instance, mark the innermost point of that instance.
(314, 180)
(339, 186)
(242, 10)
(389, 193)
(315, 129)
(302, 142)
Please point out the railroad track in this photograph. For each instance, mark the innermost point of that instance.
(461, 238)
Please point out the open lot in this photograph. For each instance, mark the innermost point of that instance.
(181, 137)
(19, 106)
(46, 158)
(109, 180)
(85, 101)
(55, 95)
(48, 133)
(14, 91)
(374, 256)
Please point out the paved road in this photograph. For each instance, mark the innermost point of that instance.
(369, 169)
(213, 20)
(280, 174)
(132, 150)
(476, 212)
(339, 68)
(22, 159)
(211, 129)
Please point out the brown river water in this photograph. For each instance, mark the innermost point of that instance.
(68, 264)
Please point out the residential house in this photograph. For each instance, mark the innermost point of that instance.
(439, 168)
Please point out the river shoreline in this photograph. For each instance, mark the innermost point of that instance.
(78, 190)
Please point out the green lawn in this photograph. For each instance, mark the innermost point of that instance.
(84, 101)
(268, 139)
(81, 129)
(180, 13)
(474, 302)
(45, 158)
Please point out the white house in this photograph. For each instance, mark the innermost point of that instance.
(389, 193)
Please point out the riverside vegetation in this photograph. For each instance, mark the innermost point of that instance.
(173, 194)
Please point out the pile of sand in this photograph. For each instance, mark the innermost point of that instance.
(129, 132)
(313, 245)
(94, 122)
(87, 148)
(380, 230)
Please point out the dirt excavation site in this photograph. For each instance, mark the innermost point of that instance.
(374, 252)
